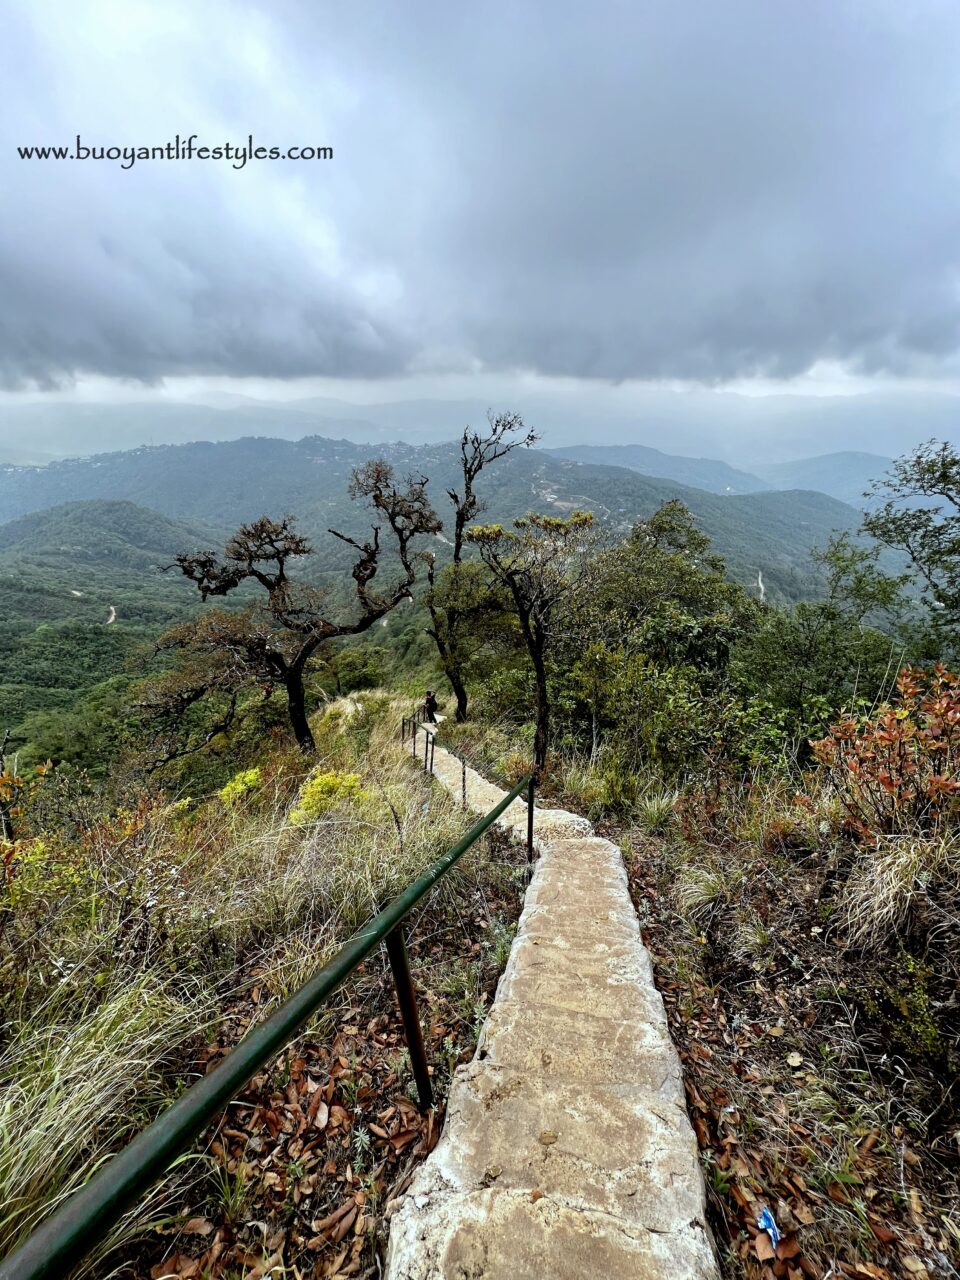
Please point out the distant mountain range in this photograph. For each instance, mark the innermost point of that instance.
(699, 473)
(83, 542)
(845, 476)
(218, 485)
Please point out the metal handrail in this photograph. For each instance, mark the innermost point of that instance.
(413, 724)
(71, 1231)
(429, 754)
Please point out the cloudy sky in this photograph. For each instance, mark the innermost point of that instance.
(743, 196)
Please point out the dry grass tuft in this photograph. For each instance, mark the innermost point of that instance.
(888, 889)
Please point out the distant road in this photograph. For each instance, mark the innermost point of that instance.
(113, 615)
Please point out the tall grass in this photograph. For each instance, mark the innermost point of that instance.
(78, 1081)
(128, 935)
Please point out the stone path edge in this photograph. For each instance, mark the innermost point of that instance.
(576, 1038)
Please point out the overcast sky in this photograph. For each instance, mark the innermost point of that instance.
(749, 193)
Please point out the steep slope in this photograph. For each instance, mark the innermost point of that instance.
(79, 559)
(700, 473)
(81, 591)
(574, 1059)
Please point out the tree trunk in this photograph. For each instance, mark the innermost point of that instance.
(541, 735)
(296, 706)
(451, 668)
(460, 692)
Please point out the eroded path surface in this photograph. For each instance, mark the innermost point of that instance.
(567, 1151)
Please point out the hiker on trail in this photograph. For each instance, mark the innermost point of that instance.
(430, 707)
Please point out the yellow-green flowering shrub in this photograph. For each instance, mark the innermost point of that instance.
(36, 871)
(323, 790)
(240, 785)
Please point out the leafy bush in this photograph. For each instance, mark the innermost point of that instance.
(240, 786)
(322, 791)
(896, 773)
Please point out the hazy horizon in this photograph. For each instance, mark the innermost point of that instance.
(739, 429)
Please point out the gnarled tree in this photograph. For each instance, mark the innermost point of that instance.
(272, 645)
(539, 562)
(457, 598)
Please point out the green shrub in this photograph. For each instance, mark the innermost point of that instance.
(240, 786)
(322, 791)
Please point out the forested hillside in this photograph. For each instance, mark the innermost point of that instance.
(83, 592)
(224, 483)
(100, 551)
(88, 538)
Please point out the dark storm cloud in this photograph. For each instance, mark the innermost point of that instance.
(616, 191)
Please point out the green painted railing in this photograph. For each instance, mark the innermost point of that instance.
(83, 1220)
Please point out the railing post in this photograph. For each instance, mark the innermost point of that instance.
(407, 1000)
(463, 780)
(530, 820)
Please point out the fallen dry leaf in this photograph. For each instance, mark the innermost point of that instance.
(345, 1223)
(763, 1247)
(916, 1208)
(915, 1267)
(788, 1247)
(324, 1223)
(198, 1227)
(318, 1113)
(804, 1214)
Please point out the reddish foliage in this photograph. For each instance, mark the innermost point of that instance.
(898, 771)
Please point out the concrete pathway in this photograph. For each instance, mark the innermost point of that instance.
(567, 1152)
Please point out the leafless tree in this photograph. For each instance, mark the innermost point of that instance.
(456, 597)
